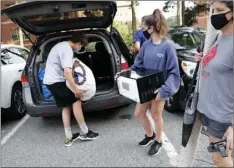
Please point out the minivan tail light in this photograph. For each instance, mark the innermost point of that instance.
(124, 66)
(24, 79)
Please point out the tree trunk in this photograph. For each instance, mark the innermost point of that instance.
(134, 20)
(183, 12)
(21, 37)
(179, 13)
(20, 31)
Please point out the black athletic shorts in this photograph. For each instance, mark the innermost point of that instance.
(62, 94)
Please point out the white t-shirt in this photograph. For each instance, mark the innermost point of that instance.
(60, 57)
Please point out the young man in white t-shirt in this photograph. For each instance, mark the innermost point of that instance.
(59, 69)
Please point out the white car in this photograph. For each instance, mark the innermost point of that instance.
(13, 61)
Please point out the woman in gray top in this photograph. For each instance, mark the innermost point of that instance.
(216, 83)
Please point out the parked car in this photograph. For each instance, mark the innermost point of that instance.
(201, 31)
(187, 40)
(12, 64)
(55, 23)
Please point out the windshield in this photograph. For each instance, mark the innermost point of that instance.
(13, 55)
(185, 40)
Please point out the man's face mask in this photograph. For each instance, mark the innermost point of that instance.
(77, 49)
(146, 33)
(220, 20)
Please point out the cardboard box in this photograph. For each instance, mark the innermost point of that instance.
(140, 85)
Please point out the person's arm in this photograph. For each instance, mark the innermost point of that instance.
(137, 47)
(138, 62)
(172, 84)
(67, 64)
(137, 42)
(69, 78)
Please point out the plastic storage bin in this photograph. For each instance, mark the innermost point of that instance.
(140, 85)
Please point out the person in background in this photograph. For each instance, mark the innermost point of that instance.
(215, 102)
(59, 70)
(157, 53)
(139, 37)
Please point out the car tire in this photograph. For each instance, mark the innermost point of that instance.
(18, 109)
(172, 105)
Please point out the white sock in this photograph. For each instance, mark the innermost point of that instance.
(84, 129)
(68, 132)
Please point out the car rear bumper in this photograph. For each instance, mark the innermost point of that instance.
(99, 103)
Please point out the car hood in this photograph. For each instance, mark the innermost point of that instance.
(187, 55)
(43, 17)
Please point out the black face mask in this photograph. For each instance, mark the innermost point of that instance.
(146, 34)
(219, 21)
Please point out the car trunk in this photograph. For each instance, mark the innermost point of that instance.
(66, 15)
(97, 56)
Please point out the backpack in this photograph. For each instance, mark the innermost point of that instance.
(45, 91)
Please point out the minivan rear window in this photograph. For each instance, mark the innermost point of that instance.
(43, 17)
(74, 15)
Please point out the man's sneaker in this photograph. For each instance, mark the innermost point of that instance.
(89, 136)
(69, 142)
(147, 140)
(155, 148)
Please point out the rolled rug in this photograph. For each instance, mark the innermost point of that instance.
(84, 79)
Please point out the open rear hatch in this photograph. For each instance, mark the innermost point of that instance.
(43, 17)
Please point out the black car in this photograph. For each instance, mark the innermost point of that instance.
(187, 40)
(201, 31)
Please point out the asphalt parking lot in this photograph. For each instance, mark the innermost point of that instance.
(39, 142)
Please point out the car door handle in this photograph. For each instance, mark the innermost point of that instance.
(20, 70)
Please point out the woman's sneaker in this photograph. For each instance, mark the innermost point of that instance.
(147, 140)
(89, 136)
(69, 142)
(155, 148)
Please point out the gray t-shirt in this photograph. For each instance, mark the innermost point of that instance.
(216, 81)
(60, 57)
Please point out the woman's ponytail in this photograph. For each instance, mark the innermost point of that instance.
(160, 25)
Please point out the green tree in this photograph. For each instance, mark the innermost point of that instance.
(125, 33)
(171, 21)
(188, 13)
(190, 18)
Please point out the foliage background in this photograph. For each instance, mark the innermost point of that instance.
(125, 31)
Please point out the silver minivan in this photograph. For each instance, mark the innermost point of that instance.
(54, 21)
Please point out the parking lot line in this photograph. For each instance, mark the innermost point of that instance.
(14, 130)
(167, 146)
